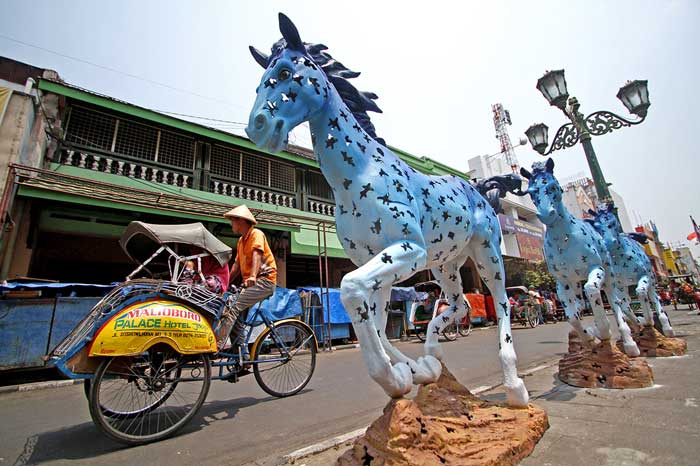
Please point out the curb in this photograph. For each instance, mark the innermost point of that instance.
(349, 436)
(30, 387)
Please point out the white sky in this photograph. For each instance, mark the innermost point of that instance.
(437, 69)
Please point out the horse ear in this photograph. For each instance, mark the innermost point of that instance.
(526, 174)
(592, 212)
(290, 33)
(549, 165)
(262, 59)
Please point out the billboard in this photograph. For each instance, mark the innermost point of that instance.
(530, 237)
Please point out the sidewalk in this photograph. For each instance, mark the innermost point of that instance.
(659, 425)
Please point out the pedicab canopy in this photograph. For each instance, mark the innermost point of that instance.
(140, 240)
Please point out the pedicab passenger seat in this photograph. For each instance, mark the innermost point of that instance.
(199, 297)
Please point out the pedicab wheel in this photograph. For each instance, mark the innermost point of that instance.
(125, 414)
(284, 358)
(148, 397)
(420, 333)
(532, 317)
(450, 333)
(465, 330)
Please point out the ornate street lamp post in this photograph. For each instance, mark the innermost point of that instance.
(634, 95)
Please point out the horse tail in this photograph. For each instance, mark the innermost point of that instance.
(496, 187)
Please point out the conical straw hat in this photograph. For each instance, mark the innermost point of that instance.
(241, 212)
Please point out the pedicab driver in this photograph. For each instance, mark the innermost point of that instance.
(255, 262)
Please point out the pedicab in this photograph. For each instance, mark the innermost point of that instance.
(148, 351)
(422, 313)
(527, 309)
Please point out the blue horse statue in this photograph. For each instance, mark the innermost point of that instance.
(632, 267)
(575, 254)
(392, 220)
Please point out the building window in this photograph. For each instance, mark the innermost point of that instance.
(282, 177)
(256, 170)
(317, 186)
(176, 150)
(136, 140)
(225, 162)
(89, 128)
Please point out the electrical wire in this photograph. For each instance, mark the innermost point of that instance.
(113, 70)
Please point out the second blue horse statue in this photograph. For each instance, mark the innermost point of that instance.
(632, 268)
(392, 220)
(575, 254)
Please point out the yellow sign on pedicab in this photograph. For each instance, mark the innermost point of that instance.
(141, 325)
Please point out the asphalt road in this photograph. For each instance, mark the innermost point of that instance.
(239, 423)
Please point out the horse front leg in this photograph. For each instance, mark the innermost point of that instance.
(490, 264)
(628, 344)
(596, 279)
(426, 369)
(356, 292)
(666, 328)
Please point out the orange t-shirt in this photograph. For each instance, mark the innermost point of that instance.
(251, 241)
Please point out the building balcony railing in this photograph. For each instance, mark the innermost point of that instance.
(266, 196)
(118, 166)
(320, 206)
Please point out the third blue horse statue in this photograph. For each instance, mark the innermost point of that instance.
(575, 254)
(632, 268)
(392, 220)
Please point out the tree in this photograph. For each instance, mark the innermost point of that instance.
(536, 275)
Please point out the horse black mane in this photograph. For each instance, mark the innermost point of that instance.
(358, 102)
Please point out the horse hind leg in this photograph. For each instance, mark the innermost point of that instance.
(643, 295)
(628, 343)
(356, 289)
(572, 309)
(426, 369)
(487, 256)
(447, 275)
(595, 282)
(666, 328)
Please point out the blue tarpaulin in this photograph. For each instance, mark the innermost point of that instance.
(407, 293)
(56, 289)
(285, 303)
(338, 313)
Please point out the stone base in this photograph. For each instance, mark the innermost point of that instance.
(446, 424)
(602, 365)
(653, 343)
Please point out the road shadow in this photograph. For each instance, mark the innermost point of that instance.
(559, 391)
(84, 440)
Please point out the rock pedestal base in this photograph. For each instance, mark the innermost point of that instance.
(653, 343)
(446, 424)
(603, 365)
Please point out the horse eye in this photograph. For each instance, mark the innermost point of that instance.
(284, 74)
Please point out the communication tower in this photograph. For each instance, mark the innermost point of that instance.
(501, 119)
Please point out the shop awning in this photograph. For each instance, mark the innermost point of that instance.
(305, 243)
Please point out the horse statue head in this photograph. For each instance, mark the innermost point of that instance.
(296, 85)
(545, 191)
(606, 223)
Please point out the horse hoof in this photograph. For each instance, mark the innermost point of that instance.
(401, 381)
(517, 395)
(631, 349)
(427, 370)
